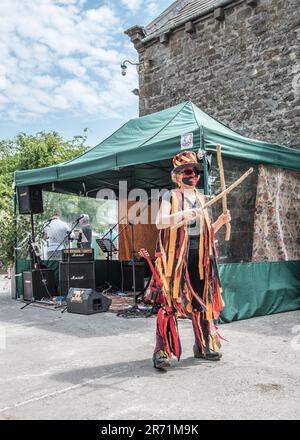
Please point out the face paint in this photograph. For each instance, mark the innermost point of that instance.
(190, 181)
(190, 176)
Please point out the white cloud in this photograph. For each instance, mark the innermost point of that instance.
(57, 56)
(44, 81)
(72, 65)
(3, 82)
(152, 7)
(133, 5)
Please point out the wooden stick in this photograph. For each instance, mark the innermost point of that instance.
(229, 189)
(219, 196)
(223, 187)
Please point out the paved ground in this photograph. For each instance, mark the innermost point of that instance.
(68, 366)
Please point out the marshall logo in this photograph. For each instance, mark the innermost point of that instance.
(77, 278)
(77, 296)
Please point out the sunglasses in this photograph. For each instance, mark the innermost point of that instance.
(189, 172)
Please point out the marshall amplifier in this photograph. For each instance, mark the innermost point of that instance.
(79, 254)
(81, 275)
(87, 301)
(38, 284)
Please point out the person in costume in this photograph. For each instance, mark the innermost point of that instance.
(186, 266)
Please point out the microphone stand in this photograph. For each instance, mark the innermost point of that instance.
(35, 260)
(68, 237)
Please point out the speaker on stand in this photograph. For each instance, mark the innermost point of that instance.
(38, 283)
(30, 199)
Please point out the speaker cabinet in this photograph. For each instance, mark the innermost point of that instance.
(128, 276)
(87, 301)
(30, 199)
(38, 284)
(82, 275)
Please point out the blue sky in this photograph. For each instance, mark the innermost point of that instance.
(60, 65)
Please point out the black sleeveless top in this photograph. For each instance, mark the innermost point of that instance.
(193, 227)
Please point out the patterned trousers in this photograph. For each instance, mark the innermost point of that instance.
(198, 285)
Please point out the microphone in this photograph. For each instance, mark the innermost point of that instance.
(79, 218)
(47, 222)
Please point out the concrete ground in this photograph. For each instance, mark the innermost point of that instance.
(67, 366)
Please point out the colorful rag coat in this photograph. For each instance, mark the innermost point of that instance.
(176, 290)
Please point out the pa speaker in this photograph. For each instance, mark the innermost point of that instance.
(87, 301)
(128, 276)
(30, 199)
(38, 284)
(81, 275)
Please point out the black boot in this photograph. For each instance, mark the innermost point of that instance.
(161, 360)
(208, 354)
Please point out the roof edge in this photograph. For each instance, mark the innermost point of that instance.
(204, 12)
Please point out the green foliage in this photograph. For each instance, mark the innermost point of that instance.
(29, 152)
(7, 237)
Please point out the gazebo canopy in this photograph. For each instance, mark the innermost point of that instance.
(140, 151)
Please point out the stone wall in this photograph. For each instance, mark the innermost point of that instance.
(243, 70)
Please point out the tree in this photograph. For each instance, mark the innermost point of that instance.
(22, 153)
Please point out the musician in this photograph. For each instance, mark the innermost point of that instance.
(85, 234)
(56, 233)
(186, 264)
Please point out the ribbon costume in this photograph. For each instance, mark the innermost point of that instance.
(187, 283)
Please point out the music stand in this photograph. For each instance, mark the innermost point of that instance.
(108, 247)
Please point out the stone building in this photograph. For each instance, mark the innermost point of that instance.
(239, 61)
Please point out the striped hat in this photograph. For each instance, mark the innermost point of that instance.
(181, 160)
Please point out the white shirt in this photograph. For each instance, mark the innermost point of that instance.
(56, 232)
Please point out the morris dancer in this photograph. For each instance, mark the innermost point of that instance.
(186, 265)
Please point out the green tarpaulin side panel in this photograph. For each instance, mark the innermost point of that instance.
(258, 289)
(249, 289)
(23, 265)
(157, 137)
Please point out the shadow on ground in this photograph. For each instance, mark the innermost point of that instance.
(124, 370)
